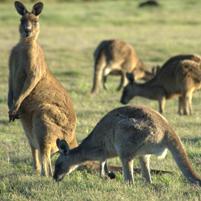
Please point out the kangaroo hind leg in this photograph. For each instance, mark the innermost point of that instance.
(145, 167)
(45, 138)
(36, 160)
(127, 167)
(123, 80)
(27, 126)
(181, 105)
(187, 103)
(45, 158)
(104, 172)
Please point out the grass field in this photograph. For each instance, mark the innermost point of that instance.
(69, 34)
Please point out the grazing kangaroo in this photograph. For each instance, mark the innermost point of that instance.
(116, 57)
(35, 96)
(127, 132)
(149, 3)
(179, 76)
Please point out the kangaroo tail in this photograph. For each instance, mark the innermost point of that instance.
(176, 148)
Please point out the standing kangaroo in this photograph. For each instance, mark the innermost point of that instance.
(116, 57)
(127, 132)
(179, 76)
(35, 96)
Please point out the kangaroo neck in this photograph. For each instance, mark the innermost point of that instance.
(148, 90)
(89, 149)
(76, 156)
(29, 42)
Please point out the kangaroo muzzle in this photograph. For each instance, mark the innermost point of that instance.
(28, 30)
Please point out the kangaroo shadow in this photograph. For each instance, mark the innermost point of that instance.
(195, 141)
(92, 167)
(4, 122)
(67, 73)
(17, 163)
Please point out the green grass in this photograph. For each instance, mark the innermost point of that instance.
(69, 34)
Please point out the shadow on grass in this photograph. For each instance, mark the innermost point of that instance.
(195, 141)
(16, 161)
(72, 74)
(20, 184)
(10, 176)
(4, 122)
(22, 165)
(88, 113)
(190, 123)
(92, 167)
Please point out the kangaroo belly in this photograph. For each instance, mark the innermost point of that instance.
(153, 149)
(52, 106)
(47, 92)
(173, 95)
(26, 120)
(172, 91)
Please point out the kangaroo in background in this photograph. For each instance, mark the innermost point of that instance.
(35, 96)
(149, 3)
(116, 57)
(127, 132)
(179, 76)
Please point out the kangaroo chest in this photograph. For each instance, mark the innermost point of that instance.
(23, 61)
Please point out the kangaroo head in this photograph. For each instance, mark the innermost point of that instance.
(62, 165)
(29, 25)
(129, 90)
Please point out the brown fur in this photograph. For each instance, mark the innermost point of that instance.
(179, 76)
(44, 107)
(116, 57)
(127, 132)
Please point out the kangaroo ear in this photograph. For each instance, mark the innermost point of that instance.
(130, 77)
(37, 8)
(62, 146)
(21, 9)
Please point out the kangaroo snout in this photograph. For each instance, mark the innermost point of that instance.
(123, 101)
(27, 30)
(57, 177)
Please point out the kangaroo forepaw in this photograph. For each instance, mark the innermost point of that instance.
(13, 116)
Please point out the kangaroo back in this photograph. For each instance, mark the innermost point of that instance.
(170, 64)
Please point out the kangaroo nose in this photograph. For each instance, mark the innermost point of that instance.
(27, 29)
(58, 178)
(55, 177)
